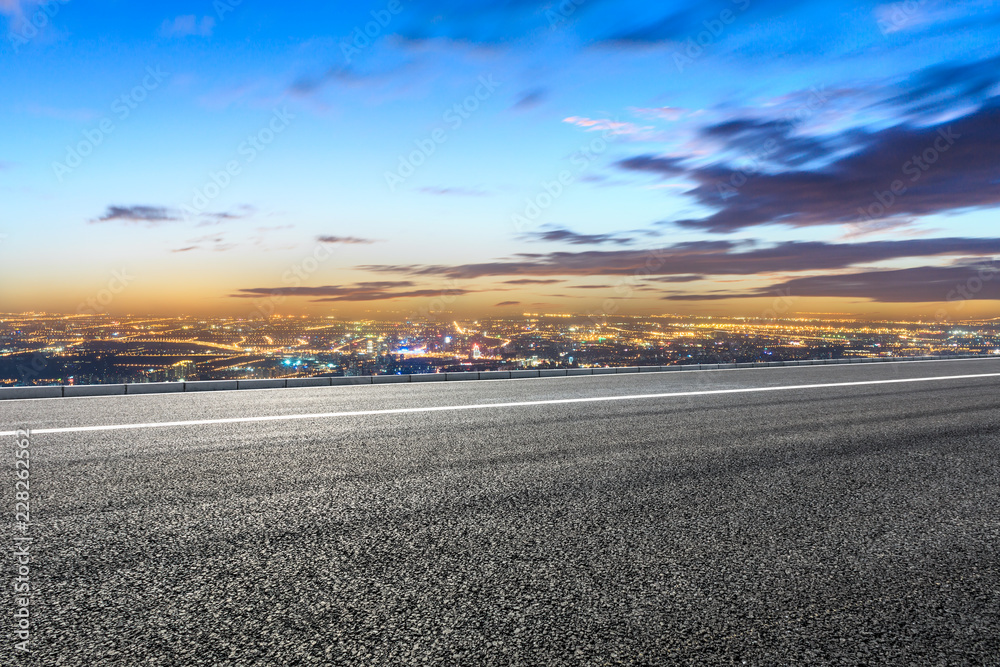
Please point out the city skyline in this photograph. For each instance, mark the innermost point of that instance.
(412, 159)
(37, 349)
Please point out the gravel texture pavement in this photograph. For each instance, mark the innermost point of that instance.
(845, 526)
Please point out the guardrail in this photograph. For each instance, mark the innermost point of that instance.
(72, 391)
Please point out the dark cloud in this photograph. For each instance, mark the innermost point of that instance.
(150, 215)
(949, 85)
(306, 85)
(531, 99)
(675, 26)
(567, 236)
(936, 165)
(706, 258)
(772, 141)
(240, 213)
(688, 21)
(619, 24)
(914, 285)
(364, 291)
(948, 167)
(507, 303)
(531, 281)
(663, 166)
(345, 240)
(350, 75)
(678, 279)
(216, 242)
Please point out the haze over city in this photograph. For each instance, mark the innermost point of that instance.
(241, 159)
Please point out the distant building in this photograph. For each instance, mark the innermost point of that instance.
(180, 371)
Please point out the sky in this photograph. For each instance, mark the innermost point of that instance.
(406, 158)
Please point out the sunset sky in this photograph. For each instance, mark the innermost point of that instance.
(494, 158)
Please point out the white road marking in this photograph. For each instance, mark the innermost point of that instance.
(493, 406)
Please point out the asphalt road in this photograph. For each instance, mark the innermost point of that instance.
(852, 524)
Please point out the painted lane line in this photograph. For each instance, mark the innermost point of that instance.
(495, 406)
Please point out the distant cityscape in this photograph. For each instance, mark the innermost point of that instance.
(41, 349)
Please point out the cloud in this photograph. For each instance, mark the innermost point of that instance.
(612, 127)
(949, 86)
(662, 166)
(772, 166)
(678, 279)
(773, 140)
(454, 191)
(188, 26)
(345, 240)
(922, 15)
(913, 285)
(639, 28)
(349, 76)
(861, 229)
(217, 242)
(306, 85)
(532, 281)
(240, 213)
(507, 303)
(71, 115)
(364, 291)
(531, 99)
(17, 7)
(567, 236)
(708, 258)
(947, 167)
(150, 215)
(661, 113)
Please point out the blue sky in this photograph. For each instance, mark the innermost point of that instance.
(233, 158)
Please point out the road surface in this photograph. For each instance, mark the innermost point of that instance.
(815, 515)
